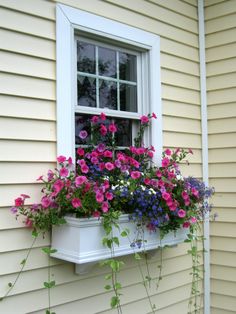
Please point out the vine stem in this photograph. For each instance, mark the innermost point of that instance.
(21, 270)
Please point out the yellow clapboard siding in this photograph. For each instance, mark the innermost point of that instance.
(208, 3)
(220, 38)
(227, 170)
(172, 139)
(223, 258)
(222, 126)
(28, 24)
(179, 64)
(221, 67)
(179, 109)
(222, 155)
(11, 106)
(165, 15)
(12, 173)
(179, 49)
(225, 301)
(225, 214)
(180, 94)
(223, 273)
(221, 52)
(27, 44)
(25, 129)
(222, 111)
(191, 2)
(179, 79)
(27, 87)
(221, 23)
(223, 229)
(191, 170)
(178, 6)
(27, 151)
(41, 8)
(181, 125)
(222, 96)
(10, 261)
(215, 310)
(7, 219)
(224, 200)
(26, 65)
(191, 159)
(221, 81)
(221, 243)
(19, 239)
(220, 9)
(134, 19)
(222, 140)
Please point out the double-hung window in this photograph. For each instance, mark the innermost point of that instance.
(105, 66)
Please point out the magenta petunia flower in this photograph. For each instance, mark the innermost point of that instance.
(109, 196)
(165, 162)
(19, 201)
(181, 213)
(64, 172)
(103, 130)
(105, 207)
(107, 154)
(45, 201)
(166, 196)
(112, 128)
(84, 169)
(83, 134)
(99, 197)
(95, 119)
(103, 116)
(80, 151)
(61, 159)
(58, 186)
(144, 119)
(76, 202)
(101, 147)
(80, 180)
(135, 174)
(154, 116)
(109, 166)
(168, 152)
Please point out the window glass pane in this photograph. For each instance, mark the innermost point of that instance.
(107, 62)
(124, 132)
(128, 67)
(82, 127)
(86, 57)
(128, 97)
(86, 91)
(107, 94)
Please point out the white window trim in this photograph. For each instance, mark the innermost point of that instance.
(68, 20)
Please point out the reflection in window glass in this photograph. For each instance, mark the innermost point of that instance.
(107, 94)
(128, 98)
(107, 62)
(86, 57)
(127, 67)
(86, 91)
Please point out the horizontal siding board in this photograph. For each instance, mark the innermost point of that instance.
(25, 129)
(222, 96)
(27, 151)
(221, 67)
(12, 173)
(229, 302)
(28, 24)
(7, 219)
(219, 9)
(221, 38)
(227, 170)
(20, 107)
(224, 184)
(224, 140)
(27, 86)
(26, 65)
(174, 93)
(178, 6)
(41, 8)
(219, 310)
(164, 15)
(173, 139)
(224, 230)
(221, 23)
(179, 49)
(191, 170)
(223, 273)
(222, 155)
(222, 126)
(224, 200)
(179, 64)
(181, 125)
(221, 81)
(220, 53)
(208, 3)
(225, 214)
(226, 244)
(223, 259)
(27, 44)
(180, 79)
(179, 109)
(222, 111)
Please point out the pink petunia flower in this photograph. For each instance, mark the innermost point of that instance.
(61, 159)
(144, 119)
(103, 130)
(109, 166)
(80, 180)
(105, 207)
(95, 119)
(101, 147)
(193, 220)
(96, 214)
(154, 116)
(166, 196)
(112, 128)
(58, 186)
(84, 168)
(99, 197)
(165, 162)
(168, 152)
(80, 151)
(19, 201)
(64, 172)
(181, 213)
(135, 174)
(76, 202)
(147, 181)
(186, 224)
(83, 134)
(109, 196)
(45, 201)
(107, 154)
(103, 116)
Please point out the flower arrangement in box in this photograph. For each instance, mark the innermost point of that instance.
(107, 182)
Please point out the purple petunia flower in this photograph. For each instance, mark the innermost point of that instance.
(83, 134)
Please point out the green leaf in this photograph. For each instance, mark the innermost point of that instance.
(114, 301)
(137, 256)
(23, 262)
(48, 250)
(116, 241)
(107, 287)
(107, 277)
(118, 286)
(9, 284)
(35, 234)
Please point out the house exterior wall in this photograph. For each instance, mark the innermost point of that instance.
(220, 25)
(28, 148)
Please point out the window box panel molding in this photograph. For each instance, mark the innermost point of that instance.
(70, 21)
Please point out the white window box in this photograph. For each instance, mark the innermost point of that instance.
(80, 240)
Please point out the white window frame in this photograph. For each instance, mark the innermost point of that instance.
(68, 20)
